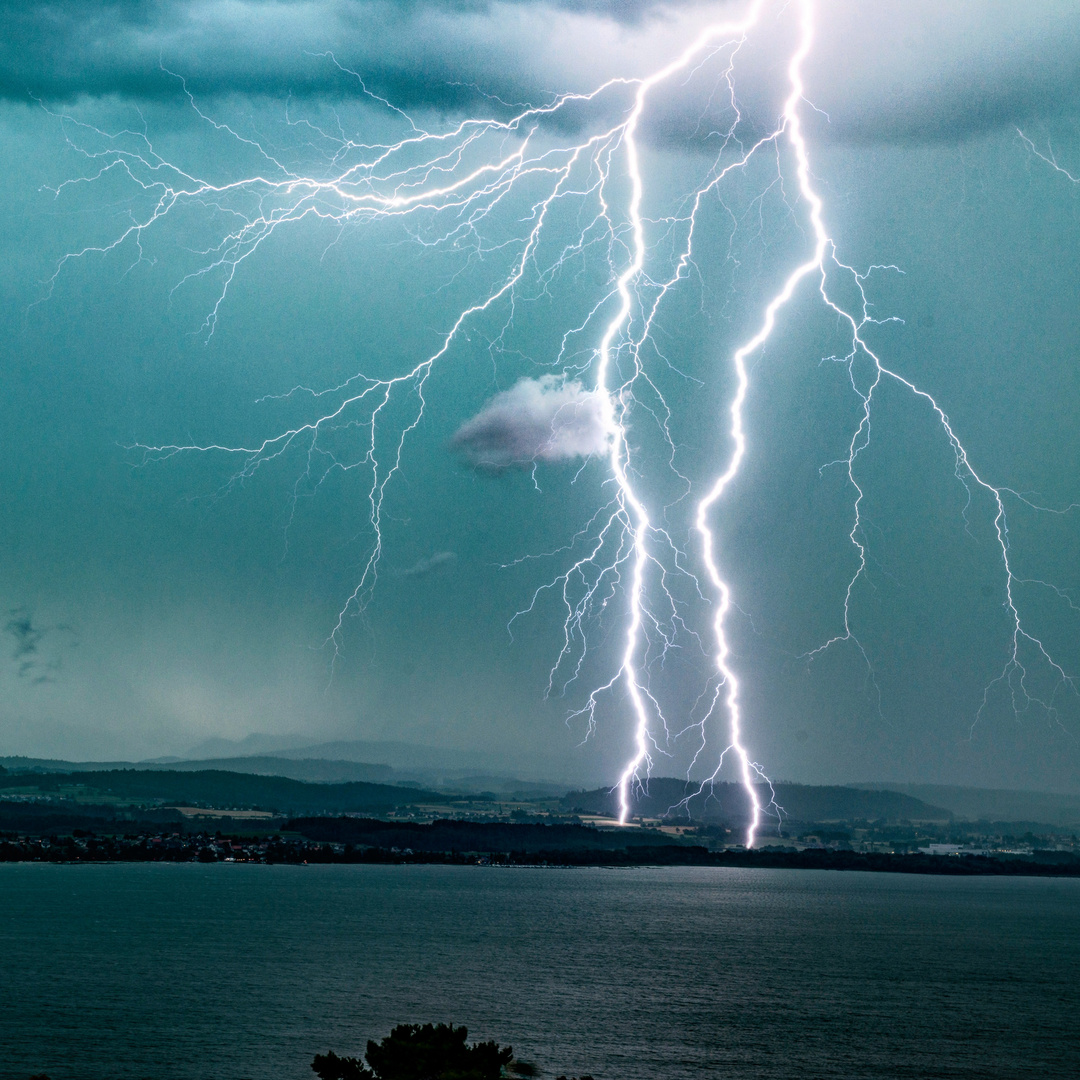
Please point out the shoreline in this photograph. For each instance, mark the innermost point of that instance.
(208, 850)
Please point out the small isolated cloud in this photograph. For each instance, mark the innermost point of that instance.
(426, 566)
(27, 654)
(545, 419)
(27, 639)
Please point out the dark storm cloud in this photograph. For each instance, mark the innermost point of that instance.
(417, 49)
(909, 70)
(27, 639)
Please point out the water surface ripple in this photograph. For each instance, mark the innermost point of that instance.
(223, 972)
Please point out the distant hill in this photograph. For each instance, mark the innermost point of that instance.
(19, 764)
(310, 770)
(250, 746)
(315, 765)
(728, 803)
(315, 771)
(222, 790)
(431, 766)
(398, 755)
(994, 804)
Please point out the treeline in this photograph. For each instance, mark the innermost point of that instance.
(226, 790)
(484, 836)
(206, 848)
(65, 818)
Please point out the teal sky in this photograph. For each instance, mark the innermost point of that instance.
(153, 604)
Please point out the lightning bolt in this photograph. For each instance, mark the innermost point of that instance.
(448, 189)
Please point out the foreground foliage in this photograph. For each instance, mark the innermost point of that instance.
(426, 1052)
(419, 1052)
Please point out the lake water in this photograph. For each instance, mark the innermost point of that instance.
(195, 972)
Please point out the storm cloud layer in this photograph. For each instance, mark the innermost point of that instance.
(915, 69)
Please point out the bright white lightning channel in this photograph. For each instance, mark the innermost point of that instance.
(447, 186)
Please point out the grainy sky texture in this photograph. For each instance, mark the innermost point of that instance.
(148, 605)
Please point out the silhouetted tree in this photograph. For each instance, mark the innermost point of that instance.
(419, 1052)
(331, 1067)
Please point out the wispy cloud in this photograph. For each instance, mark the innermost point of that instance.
(425, 566)
(30, 661)
(545, 419)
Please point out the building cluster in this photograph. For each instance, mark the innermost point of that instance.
(161, 847)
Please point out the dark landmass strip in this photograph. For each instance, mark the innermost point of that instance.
(64, 818)
(664, 797)
(485, 836)
(263, 782)
(215, 787)
(500, 844)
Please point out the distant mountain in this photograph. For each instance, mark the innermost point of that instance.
(994, 804)
(310, 770)
(398, 755)
(432, 766)
(728, 803)
(249, 746)
(314, 769)
(506, 787)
